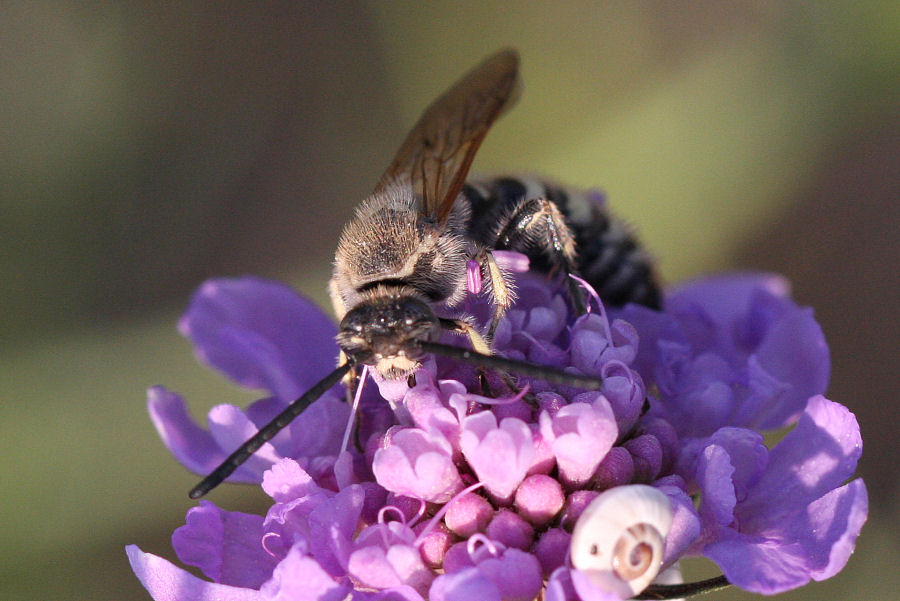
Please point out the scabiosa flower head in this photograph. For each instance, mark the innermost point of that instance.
(459, 486)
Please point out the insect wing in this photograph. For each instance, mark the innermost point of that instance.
(437, 153)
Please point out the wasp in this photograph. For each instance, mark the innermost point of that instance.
(425, 238)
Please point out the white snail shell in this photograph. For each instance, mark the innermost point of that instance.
(619, 539)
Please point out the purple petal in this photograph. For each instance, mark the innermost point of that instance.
(714, 471)
(457, 558)
(190, 444)
(467, 584)
(758, 564)
(286, 480)
(560, 587)
(319, 430)
(429, 412)
(501, 454)
(793, 353)
(516, 574)
(300, 578)
(417, 464)
(685, 527)
(226, 546)
(167, 582)
(819, 454)
(332, 525)
(747, 453)
(407, 563)
(588, 591)
(724, 298)
(370, 567)
(230, 428)
(397, 593)
(724, 466)
(581, 434)
(261, 334)
(830, 529)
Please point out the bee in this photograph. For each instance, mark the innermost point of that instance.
(424, 239)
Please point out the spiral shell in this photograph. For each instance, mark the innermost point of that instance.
(619, 539)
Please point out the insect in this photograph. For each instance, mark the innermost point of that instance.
(424, 239)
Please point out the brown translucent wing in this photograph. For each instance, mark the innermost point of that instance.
(437, 153)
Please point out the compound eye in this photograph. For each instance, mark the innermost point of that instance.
(412, 311)
(354, 322)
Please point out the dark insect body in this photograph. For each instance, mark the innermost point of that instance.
(607, 255)
(416, 245)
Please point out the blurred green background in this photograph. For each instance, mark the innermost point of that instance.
(147, 147)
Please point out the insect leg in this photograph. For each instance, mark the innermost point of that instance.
(537, 224)
(461, 326)
(500, 289)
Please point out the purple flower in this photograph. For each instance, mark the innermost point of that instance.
(580, 434)
(417, 464)
(775, 519)
(248, 329)
(385, 556)
(500, 455)
(449, 494)
(496, 573)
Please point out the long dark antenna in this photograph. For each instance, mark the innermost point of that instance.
(523, 368)
(265, 433)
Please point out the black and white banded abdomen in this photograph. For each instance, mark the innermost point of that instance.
(608, 255)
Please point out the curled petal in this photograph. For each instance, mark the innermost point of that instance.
(795, 522)
(685, 528)
(191, 445)
(758, 564)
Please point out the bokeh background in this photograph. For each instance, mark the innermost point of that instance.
(146, 147)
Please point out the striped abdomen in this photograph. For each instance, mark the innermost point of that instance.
(608, 255)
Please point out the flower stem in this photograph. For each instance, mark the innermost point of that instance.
(658, 592)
